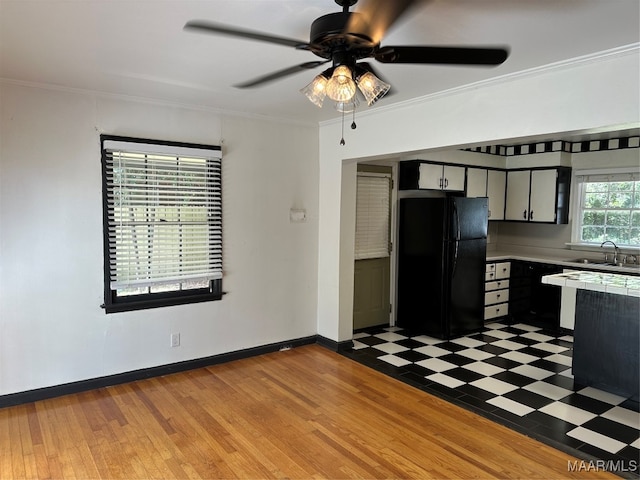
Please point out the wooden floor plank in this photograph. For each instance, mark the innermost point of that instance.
(303, 413)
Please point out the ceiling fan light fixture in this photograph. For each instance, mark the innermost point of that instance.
(348, 107)
(341, 87)
(372, 87)
(316, 91)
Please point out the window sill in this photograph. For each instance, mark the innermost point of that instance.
(131, 305)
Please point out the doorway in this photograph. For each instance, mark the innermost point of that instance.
(372, 266)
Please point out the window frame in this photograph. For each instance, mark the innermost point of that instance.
(580, 178)
(114, 303)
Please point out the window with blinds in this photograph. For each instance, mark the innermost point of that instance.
(609, 207)
(373, 197)
(162, 223)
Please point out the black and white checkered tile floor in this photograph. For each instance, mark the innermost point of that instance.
(518, 375)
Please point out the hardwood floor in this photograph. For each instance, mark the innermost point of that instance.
(302, 413)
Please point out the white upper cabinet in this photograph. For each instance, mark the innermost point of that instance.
(496, 185)
(538, 195)
(441, 177)
(476, 182)
(542, 206)
(518, 187)
(491, 184)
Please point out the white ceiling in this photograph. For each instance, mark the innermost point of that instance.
(139, 48)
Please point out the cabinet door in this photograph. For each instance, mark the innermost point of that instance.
(496, 184)
(430, 176)
(477, 182)
(543, 195)
(453, 178)
(518, 183)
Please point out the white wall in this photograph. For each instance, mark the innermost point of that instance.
(595, 94)
(52, 329)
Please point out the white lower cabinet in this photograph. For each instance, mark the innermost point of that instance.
(496, 296)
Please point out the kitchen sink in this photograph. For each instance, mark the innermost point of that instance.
(588, 261)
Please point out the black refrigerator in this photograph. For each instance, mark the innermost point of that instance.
(441, 265)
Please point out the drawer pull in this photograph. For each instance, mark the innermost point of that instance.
(498, 296)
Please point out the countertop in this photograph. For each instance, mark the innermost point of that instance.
(615, 283)
(566, 260)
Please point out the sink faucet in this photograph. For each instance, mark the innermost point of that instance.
(615, 249)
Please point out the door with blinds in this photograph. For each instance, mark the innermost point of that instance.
(371, 305)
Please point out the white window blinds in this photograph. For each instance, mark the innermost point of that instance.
(372, 215)
(164, 215)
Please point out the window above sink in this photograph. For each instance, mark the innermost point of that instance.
(607, 208)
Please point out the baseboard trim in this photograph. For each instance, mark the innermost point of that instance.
(28, 396)
(332, 344)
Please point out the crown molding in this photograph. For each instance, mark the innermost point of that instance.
(152, 101)
(623, 51)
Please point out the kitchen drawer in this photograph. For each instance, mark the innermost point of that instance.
(504, 267)
(497, 285)
(503, 270)
(495, 311)
(497, 296)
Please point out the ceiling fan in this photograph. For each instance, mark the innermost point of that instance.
(345, 38)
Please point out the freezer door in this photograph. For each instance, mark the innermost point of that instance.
(468, 218)
(466, 286)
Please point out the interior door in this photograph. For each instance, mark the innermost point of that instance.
(372, 270)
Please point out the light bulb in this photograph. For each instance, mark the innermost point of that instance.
(372, 87)
(341, 87)
(316, 90)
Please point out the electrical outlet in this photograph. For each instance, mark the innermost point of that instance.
(175, 339)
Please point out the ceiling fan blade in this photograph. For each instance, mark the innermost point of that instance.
(218, 28)
(442, 55)
(374, 17)
(280, 74)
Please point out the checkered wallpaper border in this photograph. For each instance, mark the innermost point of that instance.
(558, 146)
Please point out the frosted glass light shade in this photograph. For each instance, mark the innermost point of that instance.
(348, 107)
(341, 87)
(316, 90)
(372, 87)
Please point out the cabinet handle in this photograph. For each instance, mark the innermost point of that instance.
(489, 214)
(524, 214)
(531, 215)
(440, 182)
(446, 182)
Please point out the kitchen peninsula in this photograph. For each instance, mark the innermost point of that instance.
(607, 329)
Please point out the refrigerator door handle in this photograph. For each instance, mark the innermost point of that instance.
(455, 259)
(457, 219)
(455, 253)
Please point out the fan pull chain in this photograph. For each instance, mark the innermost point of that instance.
(342, 142)
(353, 122)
